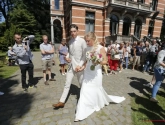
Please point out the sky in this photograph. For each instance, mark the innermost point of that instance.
(2, 19)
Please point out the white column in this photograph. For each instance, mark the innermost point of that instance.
(52, 31)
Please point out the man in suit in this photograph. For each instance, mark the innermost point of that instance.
(77, 46)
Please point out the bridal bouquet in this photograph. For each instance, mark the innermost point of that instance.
(95, 57)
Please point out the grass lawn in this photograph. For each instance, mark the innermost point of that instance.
(145, 112)
(5, 70)
(2, 54)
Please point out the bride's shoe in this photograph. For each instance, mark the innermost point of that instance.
(76, 120)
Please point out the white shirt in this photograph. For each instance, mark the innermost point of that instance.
(160, 59)
(106, 49)
(128, 50)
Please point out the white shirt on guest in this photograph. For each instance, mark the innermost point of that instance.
(128, 51)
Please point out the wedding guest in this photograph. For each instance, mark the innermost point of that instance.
(134, 44)
(146, 57)
(11, 55)
(153, 51)
(121, 52)
(24, 58)
(137, 54)
(126, 55)
(63, 51)
(159, 71)
(46, 51)
(105, 66)
(113, 63)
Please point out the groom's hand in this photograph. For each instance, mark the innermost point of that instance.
(77, 69)
(68, 60)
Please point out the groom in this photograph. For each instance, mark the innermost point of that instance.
(77, 46)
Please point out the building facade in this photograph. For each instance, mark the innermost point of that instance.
(111, 20)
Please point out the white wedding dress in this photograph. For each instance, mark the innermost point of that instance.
(92, 95)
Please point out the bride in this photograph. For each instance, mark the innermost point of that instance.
(92, 95)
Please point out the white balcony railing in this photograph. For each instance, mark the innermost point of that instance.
(131, 4)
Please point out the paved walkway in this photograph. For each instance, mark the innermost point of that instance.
(35, 107)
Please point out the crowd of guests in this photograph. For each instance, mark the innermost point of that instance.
(136, 55)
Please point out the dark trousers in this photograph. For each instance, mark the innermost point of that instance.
(27, 67)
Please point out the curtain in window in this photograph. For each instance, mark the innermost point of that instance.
(57, 6)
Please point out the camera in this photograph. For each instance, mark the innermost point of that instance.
(163, 74)
(27, 38)
(159, 41)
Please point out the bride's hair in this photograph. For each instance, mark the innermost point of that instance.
(92, 35)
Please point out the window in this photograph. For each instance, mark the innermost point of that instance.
(151, 28)
(154, 4)
(114, 25)
(137, 29)
(141, 1)
(126, 26)
(57, 6)
(90, 22)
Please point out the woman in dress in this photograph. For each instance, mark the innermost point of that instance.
(113, 63)
(92, 95)
(63, 51)
(121, 52)
(105, 66)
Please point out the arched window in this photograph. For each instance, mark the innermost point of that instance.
(151, 28)
(141, 1)
(126, 26)
(138, 27)
(57, 31)
(56, 3)
(114, 22)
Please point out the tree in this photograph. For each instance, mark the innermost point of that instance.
(5, 7)
(27, 16)
(7, 39)
(41, 14)
(23, 20)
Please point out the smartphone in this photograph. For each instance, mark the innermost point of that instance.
(26, 43)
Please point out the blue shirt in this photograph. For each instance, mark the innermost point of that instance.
(23, 56)
(10, 53)
(46, 47)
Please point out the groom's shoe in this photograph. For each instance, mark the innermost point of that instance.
(59, 105)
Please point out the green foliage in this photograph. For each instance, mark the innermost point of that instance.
(23, 20)
(7, 40)
(28, 17)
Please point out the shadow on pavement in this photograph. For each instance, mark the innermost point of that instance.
(137, 83)
(13, 105)
(36, 80)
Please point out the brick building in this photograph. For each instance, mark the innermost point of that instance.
(110, 19)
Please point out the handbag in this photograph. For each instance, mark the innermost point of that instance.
(117, 56)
